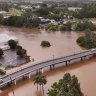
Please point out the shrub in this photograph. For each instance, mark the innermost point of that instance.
(45, 44)
(1, 52)
(12, 44)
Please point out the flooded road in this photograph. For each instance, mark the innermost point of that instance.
(62, 44)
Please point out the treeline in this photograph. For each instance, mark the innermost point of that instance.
(83, 25)
(88, 11)
(20, 21)
(69, 26)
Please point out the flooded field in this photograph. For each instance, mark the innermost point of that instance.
(62, 44)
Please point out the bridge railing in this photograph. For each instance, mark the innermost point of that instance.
(51, 60)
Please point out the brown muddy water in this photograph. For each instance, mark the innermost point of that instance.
(63, 43)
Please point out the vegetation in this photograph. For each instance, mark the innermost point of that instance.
(1, 52)
(62, 28)
(87, 41)
(68, 86)
(12, 44)
(41, 81)
(88, 11)
(21, 52)
(83, 25)
(21, 21)
(45, 44)
(18, 47)
(51, 27)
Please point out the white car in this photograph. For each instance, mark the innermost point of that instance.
(1, 81)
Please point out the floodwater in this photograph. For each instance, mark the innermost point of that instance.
(62, 44)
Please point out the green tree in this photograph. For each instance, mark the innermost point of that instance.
(45, 44)
(1, 52)
(68, 26)
(88, 41)
(68, 86)
(41, 81)
(42, 12)
(19, 47)
(21, 52)
(12, 44)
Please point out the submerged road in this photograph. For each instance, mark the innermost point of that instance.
(37, 67)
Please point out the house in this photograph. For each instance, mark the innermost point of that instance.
(4, 38)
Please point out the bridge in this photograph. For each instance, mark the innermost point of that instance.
(27, 72)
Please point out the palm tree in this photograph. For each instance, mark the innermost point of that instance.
(40, 80)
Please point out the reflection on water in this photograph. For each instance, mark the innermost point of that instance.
(63, 43)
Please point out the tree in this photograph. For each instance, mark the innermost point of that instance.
(21, 52)
(1, 52)
(40, 80)
(87, 41)
(68, 86)
(45, 44)
(68, 26)
(42, 12)
(12, 44)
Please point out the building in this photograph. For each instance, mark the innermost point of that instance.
(4, 38)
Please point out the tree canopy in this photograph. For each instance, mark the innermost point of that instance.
(67, 86)
(87, 41)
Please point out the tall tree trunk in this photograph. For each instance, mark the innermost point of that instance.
(37, 87)
(43, 89)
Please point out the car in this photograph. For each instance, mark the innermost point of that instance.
(1, 80)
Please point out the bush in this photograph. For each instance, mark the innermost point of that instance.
(1, 52)
(21, 52)
(51, 27)
(12, 44)
(45, 44)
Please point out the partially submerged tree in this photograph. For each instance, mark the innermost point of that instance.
(18, 47)
(88, 41)
(41, 81)
(21, 52)
(68, 86)
(12, 44)
(45, 44)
